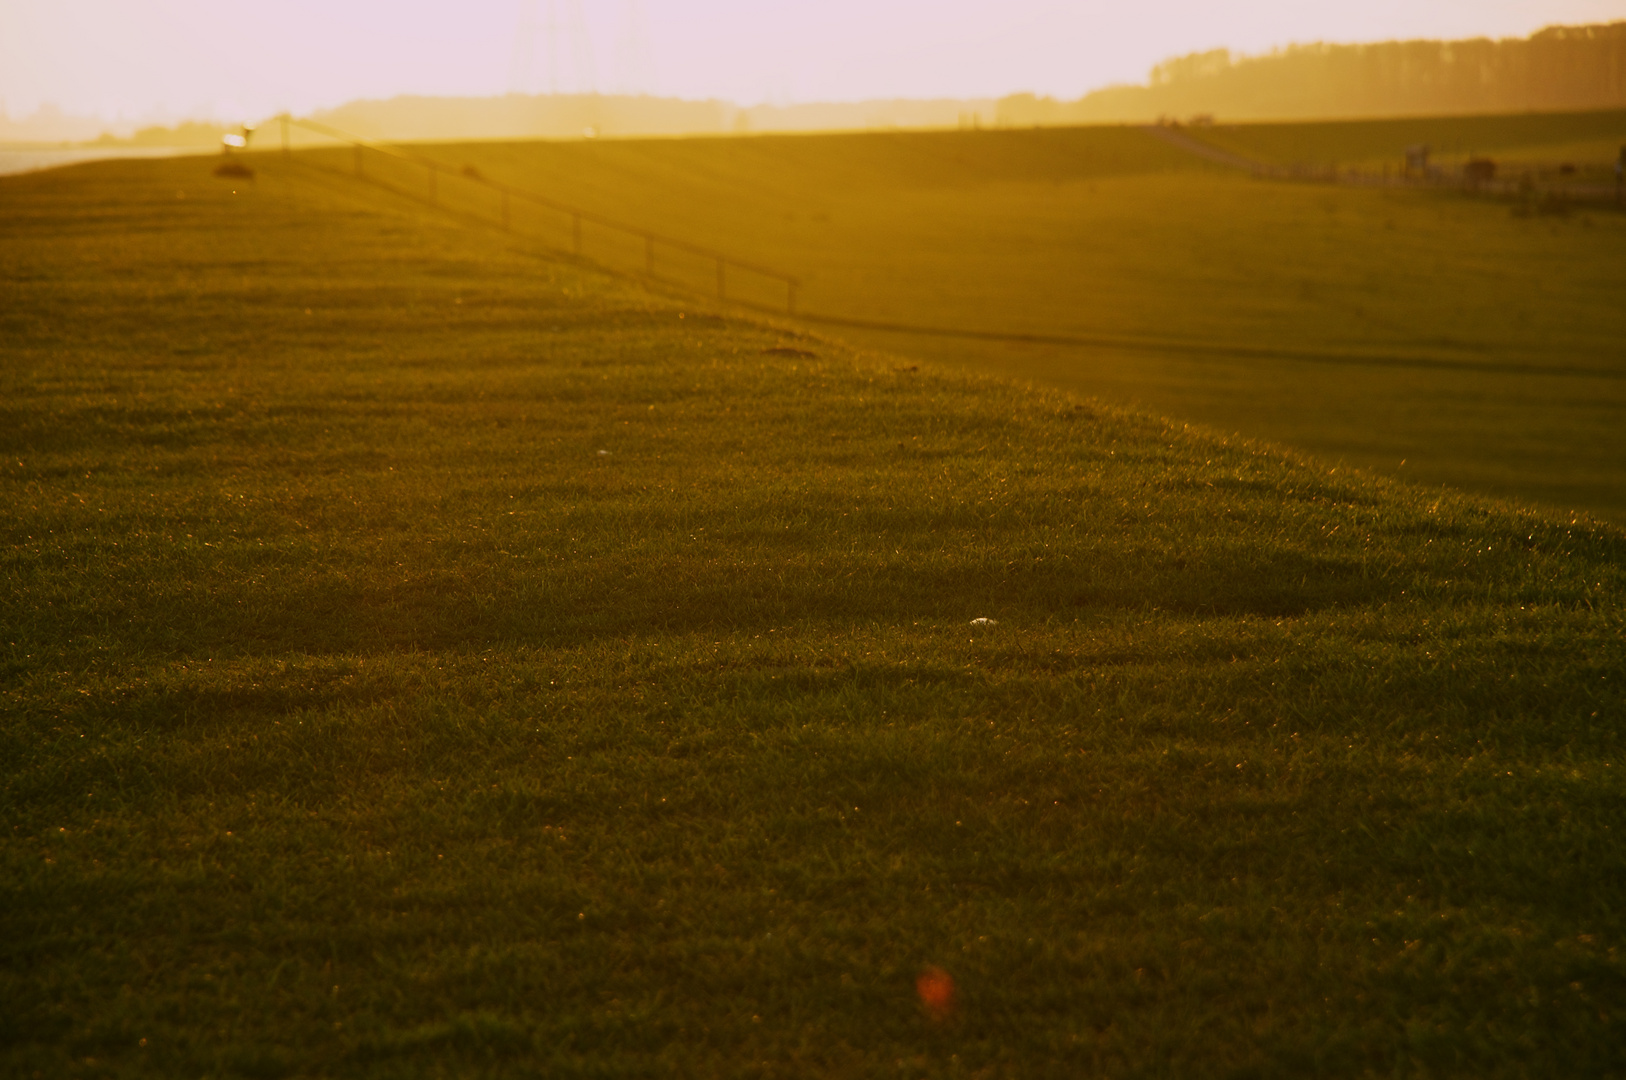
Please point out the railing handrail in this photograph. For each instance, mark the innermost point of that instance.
(648, 235)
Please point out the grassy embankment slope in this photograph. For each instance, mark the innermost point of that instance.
(1378, 327)
(361, 717)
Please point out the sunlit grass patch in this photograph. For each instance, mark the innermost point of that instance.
(1421, 333)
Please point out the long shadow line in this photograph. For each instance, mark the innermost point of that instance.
(1199, 348)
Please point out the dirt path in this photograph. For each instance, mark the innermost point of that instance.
(1177, 138)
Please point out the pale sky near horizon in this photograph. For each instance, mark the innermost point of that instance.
(233, 60)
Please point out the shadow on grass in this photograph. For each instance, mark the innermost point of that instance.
(283, 608)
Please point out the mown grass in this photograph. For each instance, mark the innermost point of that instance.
(1427, 335)
(425, 658)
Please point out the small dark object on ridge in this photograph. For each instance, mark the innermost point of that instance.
(788, 350)
(234, 168)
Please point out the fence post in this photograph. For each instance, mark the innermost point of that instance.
(649, 255)
(576, 231)
(720, 290)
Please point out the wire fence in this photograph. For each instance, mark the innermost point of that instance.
(1556, 184)
(583, 233)
(1520, 181)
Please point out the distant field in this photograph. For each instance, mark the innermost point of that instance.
(423, 658)
(1425, 334)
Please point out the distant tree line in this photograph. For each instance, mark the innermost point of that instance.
(574, 115)
(1559, 68)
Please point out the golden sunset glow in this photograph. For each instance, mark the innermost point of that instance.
(175, 59)
(723, 538)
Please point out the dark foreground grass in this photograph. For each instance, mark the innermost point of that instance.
(421, 659)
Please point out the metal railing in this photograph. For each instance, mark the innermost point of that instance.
(577, 216)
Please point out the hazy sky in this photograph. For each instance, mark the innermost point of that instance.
(238, 60)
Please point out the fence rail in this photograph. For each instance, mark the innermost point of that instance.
(576, 215)
(1481, 176)
(1522, 182)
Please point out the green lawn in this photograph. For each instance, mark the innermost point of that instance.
(1422, 334)
(422, 657)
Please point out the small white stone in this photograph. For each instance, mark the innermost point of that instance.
(984, 622)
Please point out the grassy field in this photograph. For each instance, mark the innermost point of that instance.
(422, 658)
(1423, 334)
